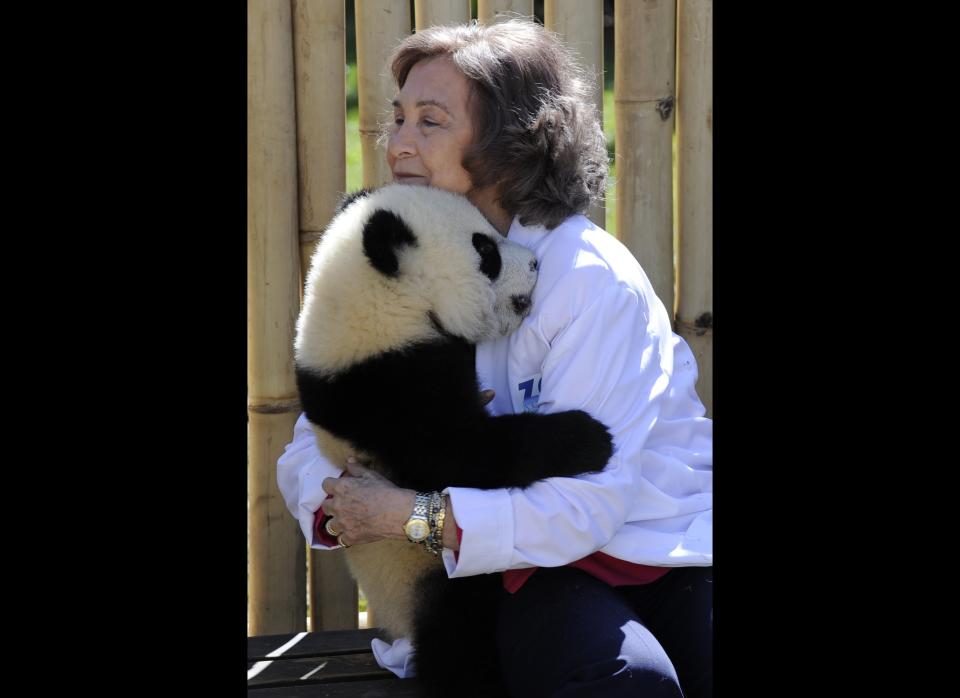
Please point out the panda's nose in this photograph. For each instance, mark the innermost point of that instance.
(521, 304)
(533, 265)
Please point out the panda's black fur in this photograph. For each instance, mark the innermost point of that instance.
(415, 410)
(434, 432)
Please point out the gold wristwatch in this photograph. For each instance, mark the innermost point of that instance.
(417, 527)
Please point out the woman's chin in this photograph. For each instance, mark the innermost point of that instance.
(406, 179)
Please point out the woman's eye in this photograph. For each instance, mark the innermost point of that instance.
(398, 121)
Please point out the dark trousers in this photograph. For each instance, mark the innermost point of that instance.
(566, 634)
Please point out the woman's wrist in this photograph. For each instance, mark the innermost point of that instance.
(406, 499)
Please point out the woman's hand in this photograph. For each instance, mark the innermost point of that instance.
(366, 506)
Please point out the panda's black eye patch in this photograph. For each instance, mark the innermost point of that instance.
(490, 262)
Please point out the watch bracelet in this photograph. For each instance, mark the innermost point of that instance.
(422, 504)
(441, 516)
(429, 543)
(434, 541)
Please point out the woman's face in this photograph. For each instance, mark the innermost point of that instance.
(432, 127)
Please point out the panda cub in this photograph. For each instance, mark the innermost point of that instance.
(405, 282)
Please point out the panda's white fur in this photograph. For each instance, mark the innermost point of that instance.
(386, 570)
(351, 311)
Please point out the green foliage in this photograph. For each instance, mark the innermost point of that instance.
(610, 133)
(353, 101)
(354, 151)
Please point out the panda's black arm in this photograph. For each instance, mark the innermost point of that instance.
(562, 444)
(509, 451)
(418, 412)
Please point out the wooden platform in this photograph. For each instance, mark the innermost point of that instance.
(332, 664)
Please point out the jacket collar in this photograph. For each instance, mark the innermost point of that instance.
(526, 235)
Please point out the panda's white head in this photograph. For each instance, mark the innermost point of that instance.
(406, 263)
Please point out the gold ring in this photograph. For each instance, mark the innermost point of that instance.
(330, 529)
(340, 541)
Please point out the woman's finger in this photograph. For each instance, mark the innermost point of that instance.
(332, 528)
(328, 485)
(355, 469)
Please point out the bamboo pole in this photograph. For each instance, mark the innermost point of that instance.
(428, 13)
(580, 23)
(695, 186)
(493, 11)
(334, 600)
(644, 75)
(381, 24)
(320, 61)
(319, 58)
(277, 561)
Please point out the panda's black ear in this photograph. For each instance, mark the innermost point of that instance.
(348, 199)
(383, 235)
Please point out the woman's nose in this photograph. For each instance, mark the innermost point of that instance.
(401, 144)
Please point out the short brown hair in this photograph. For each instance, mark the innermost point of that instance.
(538, 137)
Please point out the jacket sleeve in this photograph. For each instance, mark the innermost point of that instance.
(622, 364)
(300, 474)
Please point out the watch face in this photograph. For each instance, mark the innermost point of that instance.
(417, 530)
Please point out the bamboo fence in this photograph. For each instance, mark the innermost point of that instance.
(580, 23)
(493, 11)
(695, 182)
(277, 592)
(428, 13)
(296, 171)
(644, 77)
(381, 25)
(319, 31)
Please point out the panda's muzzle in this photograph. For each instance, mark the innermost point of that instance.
(521, 304)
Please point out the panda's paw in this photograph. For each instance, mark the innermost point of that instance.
(582, 443)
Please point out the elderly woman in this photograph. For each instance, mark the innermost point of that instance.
(608, 576)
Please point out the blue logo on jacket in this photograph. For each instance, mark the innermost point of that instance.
(528, 392)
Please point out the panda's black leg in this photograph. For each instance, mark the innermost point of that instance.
(454, 636)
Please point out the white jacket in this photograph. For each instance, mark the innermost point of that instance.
(597, 339)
